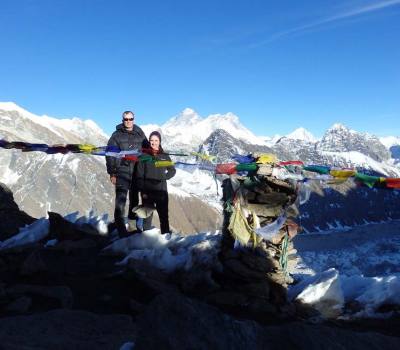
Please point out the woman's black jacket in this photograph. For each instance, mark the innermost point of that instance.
(150, 178)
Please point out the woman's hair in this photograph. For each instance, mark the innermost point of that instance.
(156, 133)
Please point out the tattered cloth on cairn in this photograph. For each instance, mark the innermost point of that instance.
(257, 233)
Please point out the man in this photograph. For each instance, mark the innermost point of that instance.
(127, 136)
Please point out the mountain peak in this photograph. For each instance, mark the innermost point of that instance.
(9, 106)
(338, 126)
(187, 117)
(229, 117)
(48, 129)
(302, 134)
(13, 107)
(188, 111)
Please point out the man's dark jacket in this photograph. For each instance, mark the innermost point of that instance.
(125, 140)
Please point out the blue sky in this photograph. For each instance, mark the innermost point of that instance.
(278, 65)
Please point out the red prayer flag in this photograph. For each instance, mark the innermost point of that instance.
(291, 162)
(392, 182)
(227, 168)
(131, 158)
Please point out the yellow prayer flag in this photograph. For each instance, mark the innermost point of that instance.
(266, 158)
(342, 173)
(163, 163)
(87, 147)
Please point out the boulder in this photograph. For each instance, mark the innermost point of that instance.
(177, 322)
(66, 329)
(11, 218)
(19, 306)
(62, 294)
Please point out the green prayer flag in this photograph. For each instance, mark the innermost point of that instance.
(367, 180)
(246, 167)
(320, 169)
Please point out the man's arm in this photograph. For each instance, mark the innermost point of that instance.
(111, 162)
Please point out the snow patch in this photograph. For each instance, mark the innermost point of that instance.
(168, 252)
(27, 235)
(322, 291)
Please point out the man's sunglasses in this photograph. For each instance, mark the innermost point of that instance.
(128, 119)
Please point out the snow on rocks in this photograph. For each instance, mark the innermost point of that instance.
(322, 291)
(372, 293)
(40, 229)
(365, 278)
(27, 235)
(168, 252)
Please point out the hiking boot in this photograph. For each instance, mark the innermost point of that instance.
(131, 225)
(135, 226)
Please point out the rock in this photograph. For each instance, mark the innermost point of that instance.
(273, 198)
(264, 170)
(197, 281)
(2, 264)
(62, 229)
(149, 276)
(76, 246)
(239, 269)
(3, 295)
(278, 237)
(258, 290)
(292, 211)
(66, 329)
(251, 196)
(265, 210)
(19, 306)
(11, 218)
(177, 322)
(33, 264)
(280, 185)
(61, 293)
(135, 306)
(260, 308)
(259, 263)
(228, 298)
(105, 298)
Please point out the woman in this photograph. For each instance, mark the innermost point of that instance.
(152, 183)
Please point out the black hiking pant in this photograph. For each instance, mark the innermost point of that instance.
(158, 200)
(121, 194)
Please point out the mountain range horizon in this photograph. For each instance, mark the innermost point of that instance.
(79, 183)
(188, 116)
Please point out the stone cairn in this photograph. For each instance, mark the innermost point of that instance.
(257, 270)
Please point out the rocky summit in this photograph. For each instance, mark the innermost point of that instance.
(70, 288)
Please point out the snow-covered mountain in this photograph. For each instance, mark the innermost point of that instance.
(339, 146)
(302, 134)
(330, 206)
(41, 182)
(78, 182)
(17, 122)
(341, 139)
(188, 129)
(270, 140)
(70, 182)
(392, 143)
